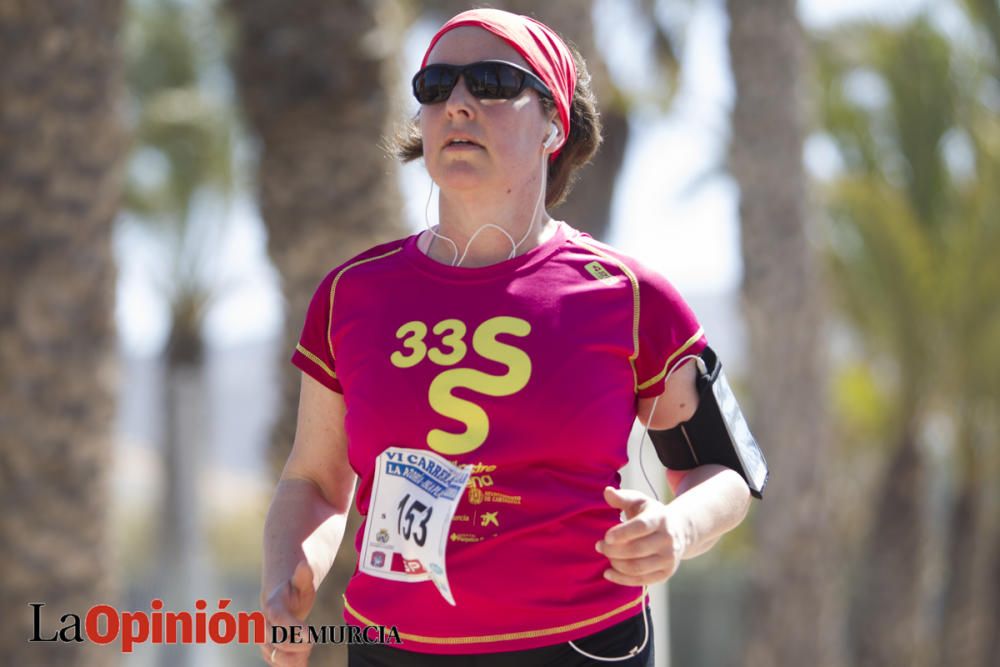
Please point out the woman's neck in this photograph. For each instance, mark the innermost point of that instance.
(524, 219)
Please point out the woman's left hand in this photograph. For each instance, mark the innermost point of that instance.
(648, 546)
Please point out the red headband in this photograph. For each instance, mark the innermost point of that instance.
(544, 50)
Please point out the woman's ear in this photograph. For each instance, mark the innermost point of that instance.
(552, 136)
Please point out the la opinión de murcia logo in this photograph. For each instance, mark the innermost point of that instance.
(103, 624)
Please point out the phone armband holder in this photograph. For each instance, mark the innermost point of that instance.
(717, 433)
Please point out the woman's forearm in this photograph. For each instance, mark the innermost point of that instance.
(300, 524)
(711, 500)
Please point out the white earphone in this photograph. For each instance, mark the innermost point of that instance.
(553, 135)
(549, 140)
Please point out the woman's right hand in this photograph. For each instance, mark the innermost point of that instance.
(306, 520)
(288, 605)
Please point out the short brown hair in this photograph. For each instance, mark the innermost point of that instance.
(583, 141)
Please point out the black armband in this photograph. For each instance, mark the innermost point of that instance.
(717, 433)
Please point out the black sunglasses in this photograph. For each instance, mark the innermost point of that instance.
(485, 80)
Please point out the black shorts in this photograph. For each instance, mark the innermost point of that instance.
(611, 642)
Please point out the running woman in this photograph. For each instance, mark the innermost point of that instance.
(476, 383)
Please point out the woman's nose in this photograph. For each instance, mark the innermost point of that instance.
(461, 100)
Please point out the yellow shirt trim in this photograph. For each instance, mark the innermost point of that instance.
(635, 303)
(678, 352)
(333, 289)
(316, 360)
(510, 636)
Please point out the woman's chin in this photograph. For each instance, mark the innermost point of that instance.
(460, 176)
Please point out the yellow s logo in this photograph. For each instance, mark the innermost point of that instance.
(484, 341)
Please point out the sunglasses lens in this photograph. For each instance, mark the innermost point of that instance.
(434, 83)
(484, 80)
(494, 81)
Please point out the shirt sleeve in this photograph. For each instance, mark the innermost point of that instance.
(668, 331)
(313, 354)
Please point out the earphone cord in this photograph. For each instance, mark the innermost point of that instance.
(703, 369)
(513, 252)
(634, 651)
(427, 223)
(652, 410)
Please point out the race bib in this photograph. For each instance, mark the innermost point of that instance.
(414, 497)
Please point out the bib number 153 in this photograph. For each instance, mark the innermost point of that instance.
(410, 512)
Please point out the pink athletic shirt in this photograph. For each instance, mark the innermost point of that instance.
(530, 369)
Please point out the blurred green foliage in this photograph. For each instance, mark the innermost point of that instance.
(912, 239)
(913, 226)
(184, 128)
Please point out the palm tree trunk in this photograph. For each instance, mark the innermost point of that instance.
(889, 616)
(182, 575)
(968, 625)
(317, 82)
(61, 154)
(993, 609)
(966, 633)
(796, 617)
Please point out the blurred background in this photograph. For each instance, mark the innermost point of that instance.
(820, 179)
